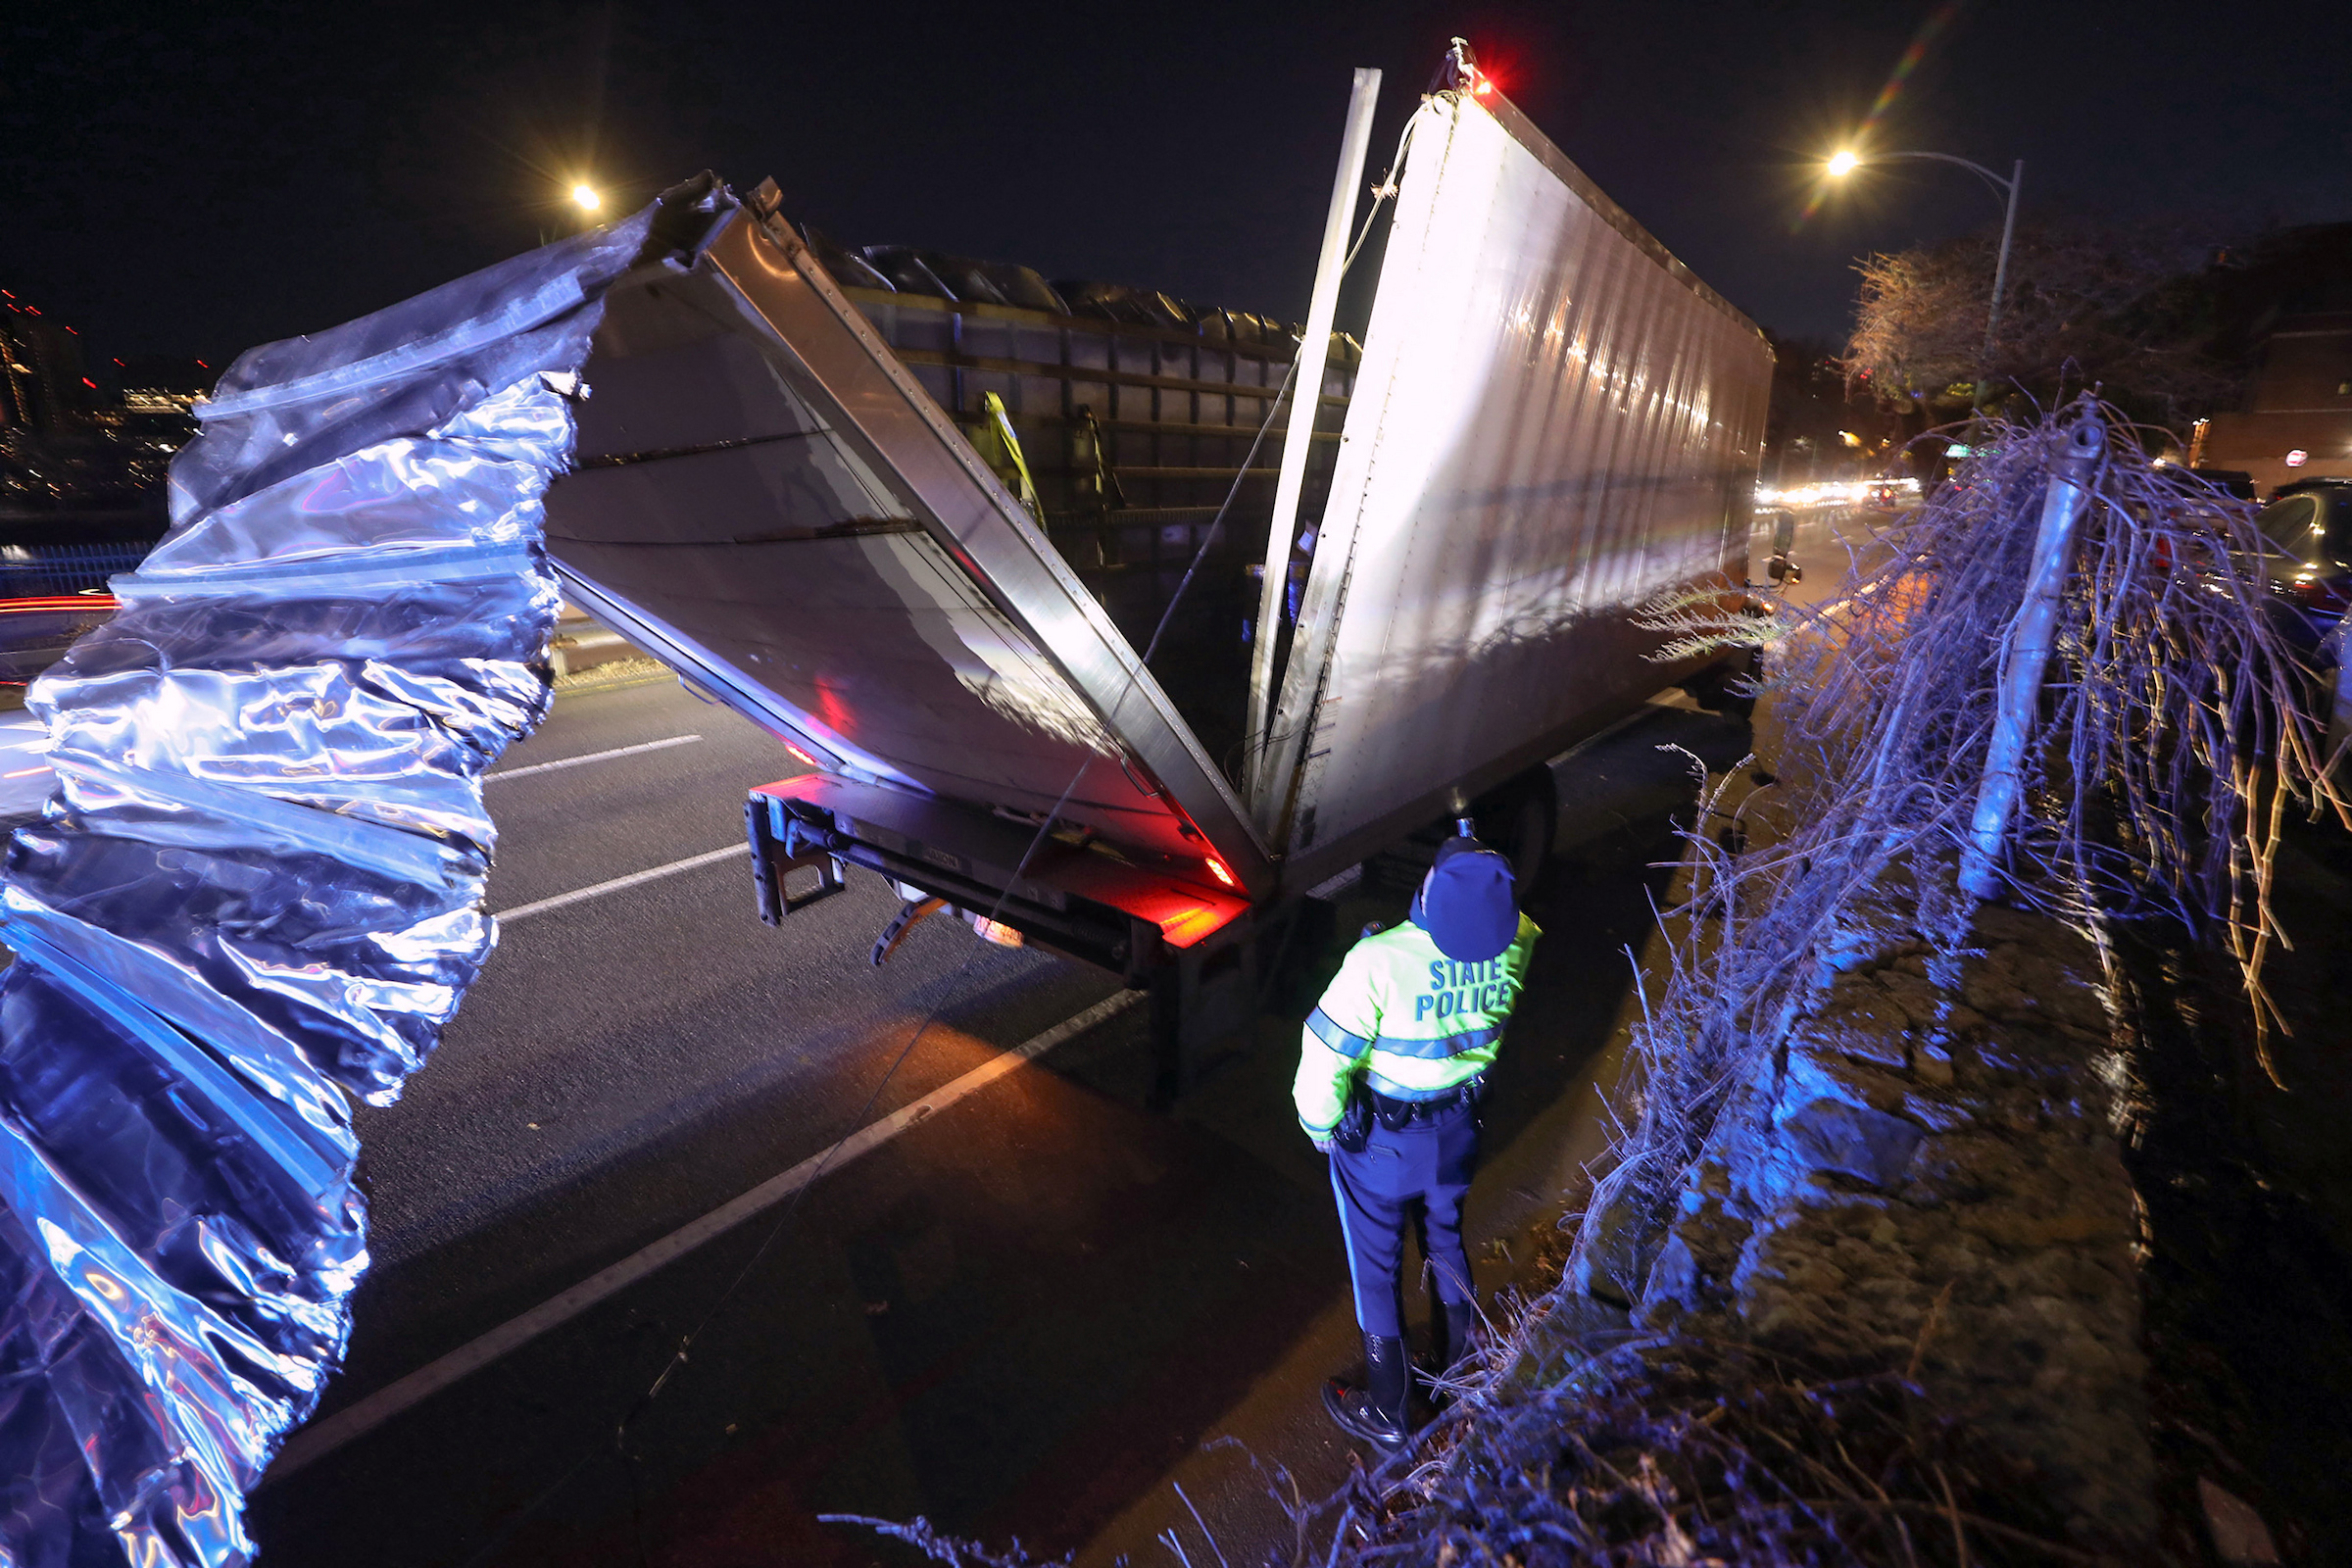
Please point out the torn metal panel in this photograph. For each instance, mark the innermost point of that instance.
(257, 890)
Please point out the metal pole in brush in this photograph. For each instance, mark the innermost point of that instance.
(2029, 653)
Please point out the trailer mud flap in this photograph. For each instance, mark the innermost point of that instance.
(773, 861)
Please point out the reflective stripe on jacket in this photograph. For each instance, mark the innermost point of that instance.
(1413, 1021)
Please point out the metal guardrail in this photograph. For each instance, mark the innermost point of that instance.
(30, 570)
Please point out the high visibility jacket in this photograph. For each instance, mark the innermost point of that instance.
(1412, 1021)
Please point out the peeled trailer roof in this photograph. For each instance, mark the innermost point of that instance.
(1554, 423)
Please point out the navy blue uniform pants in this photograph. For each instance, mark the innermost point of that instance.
(1422, 1172)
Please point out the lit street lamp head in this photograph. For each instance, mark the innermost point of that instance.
(1843, 163)
(586, 198)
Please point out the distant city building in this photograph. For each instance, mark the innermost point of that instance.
(45, 385)
(1820, 426)
(2296, 418)
(157, 415)
(156, 399)
(80, 461)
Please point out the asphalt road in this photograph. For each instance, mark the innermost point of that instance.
(25, 776)
(630, 1061)
(1030, 1313)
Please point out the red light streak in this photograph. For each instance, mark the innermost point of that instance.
(802, 756)
(23, 607)
(1216, 869)
(24, 773)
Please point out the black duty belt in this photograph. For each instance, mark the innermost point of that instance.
(1397, 1114)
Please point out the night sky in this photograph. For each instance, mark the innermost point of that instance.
(194, 179)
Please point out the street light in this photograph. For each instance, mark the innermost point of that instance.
(586, 198)
(1845, 161)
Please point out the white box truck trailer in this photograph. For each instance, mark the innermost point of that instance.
(920, 519)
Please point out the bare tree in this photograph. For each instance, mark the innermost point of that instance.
(2128, 308)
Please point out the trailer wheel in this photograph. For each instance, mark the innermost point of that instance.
(1727, 687)
(1520, 821)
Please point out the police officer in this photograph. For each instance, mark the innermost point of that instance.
(1389, 1078)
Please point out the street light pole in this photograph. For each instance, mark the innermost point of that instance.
(1846, 161)
(2000, 267)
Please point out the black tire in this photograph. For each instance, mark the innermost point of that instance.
(1520, 821)
(1724, 688)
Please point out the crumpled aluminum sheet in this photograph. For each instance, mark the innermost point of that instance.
(257, 892)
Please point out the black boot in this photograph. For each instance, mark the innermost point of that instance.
(1375, 1412)
(1451, 1328)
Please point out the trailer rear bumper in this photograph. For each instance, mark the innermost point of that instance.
(1070, 894)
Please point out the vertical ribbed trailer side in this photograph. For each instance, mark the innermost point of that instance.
(1553, 423)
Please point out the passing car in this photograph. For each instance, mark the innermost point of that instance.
(2308, 530)
(2307, 561)
(1781, 569)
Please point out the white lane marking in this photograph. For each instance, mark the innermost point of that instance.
(322, 1437)
(592, 757)
(523, 911)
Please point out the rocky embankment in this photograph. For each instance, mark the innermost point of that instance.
(1928, 1179)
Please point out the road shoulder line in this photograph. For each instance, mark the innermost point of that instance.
(593, 757)
(322, 1437)
(597, 890)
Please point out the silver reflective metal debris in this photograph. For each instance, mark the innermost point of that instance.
(257, 892)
